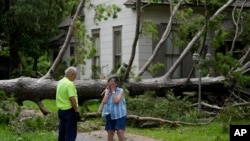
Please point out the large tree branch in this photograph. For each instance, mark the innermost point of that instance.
(138, 12)
(244, 57)
(222, 108)
(244, 68)
(150, 121)
(204, 38)
(66, 42)
(245, 65)
(237, 24)
(162, 40)
(160, 121)
(191, 43)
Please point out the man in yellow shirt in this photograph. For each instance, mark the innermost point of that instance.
(67, 103)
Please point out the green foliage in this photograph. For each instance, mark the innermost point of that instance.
(50, 122)
(23, 125)
(59, 72)
(153, 69)
(66, 6)
(26, 28)
(189, 25)
(216, 22)
(154, 1)
(149, 28)
(217, 3)
(220, 32)
(8, 108)
(224, 65)
(160, 1)
(219, 38)
(232, 115)
(85, 47)
(138, 79)
(239, 80)
(121, 72)
(45, 128)
(19, 127)
(169, 107)
(35, 18)
(115, 69)
(2, 95)
(4, 50)
(95, 72)
(43, 63)
(103, 11)
(84, 42)
(246, 29)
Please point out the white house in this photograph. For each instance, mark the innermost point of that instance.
(113, 39)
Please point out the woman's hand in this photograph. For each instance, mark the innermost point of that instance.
(108, 86)
(113, 87)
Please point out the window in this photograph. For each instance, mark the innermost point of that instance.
(72, 55)
(171, 55)
(117, 46)
(96, 59)
(167, 54)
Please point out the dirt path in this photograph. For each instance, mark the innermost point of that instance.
(101, 135)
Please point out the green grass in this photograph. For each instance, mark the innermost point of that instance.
(49, 105)
(215, 131)
(93, 105)
(7, 135)
(211, 132)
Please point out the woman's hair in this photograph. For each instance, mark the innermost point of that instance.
(116, 79)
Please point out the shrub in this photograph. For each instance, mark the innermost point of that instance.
(19, 127)
(51, 122)
(9, 109)
(169, 107)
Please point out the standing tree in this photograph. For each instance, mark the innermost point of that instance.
(26, 27)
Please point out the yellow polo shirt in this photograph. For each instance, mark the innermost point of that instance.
(65, 89)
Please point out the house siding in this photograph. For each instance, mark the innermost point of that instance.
(145, 42)
(126, 20)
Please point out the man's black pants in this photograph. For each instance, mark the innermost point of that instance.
(67, 125)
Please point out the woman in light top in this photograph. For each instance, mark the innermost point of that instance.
(114, 109)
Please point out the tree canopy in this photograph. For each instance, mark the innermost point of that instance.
(26, 27)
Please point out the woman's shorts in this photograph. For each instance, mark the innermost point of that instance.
(116, 124)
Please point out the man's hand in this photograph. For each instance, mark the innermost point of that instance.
(77, 116)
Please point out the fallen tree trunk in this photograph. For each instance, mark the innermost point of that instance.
(36, 90)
